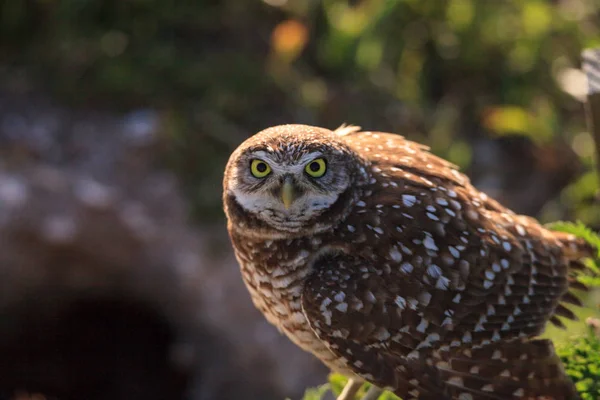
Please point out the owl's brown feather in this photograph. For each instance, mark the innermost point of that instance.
(401, 344)
(421, 283)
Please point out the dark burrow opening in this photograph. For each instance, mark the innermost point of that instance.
(94, 349)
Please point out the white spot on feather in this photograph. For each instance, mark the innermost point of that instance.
(407, 268)
(401, 302)
(325, 311)
(342, 307)
(422, 325)
(467, 337)
(408, 200)
(455, 253)
(434, 271)
(339, 297)
(429, 243)
(395, 254)
(488, 388)
(442, 283)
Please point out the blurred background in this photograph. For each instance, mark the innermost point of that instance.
(117, 118)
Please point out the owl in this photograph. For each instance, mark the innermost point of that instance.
(384, 261)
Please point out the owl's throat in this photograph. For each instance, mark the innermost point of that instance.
(272, 224)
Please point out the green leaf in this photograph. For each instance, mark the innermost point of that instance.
(581, 358)
(316, 393)
(578, 229)
(337, 383)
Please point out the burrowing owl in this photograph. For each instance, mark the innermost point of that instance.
(384, 261)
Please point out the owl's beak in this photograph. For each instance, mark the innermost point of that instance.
(287, 193)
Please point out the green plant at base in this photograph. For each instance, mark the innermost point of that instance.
(336, 384)
(316, 393)
(581, 358)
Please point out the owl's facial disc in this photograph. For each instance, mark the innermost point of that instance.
(289, 192)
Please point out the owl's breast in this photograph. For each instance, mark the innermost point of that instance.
(274, 273)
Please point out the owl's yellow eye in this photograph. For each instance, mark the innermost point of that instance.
(316, 168)
(259, 168)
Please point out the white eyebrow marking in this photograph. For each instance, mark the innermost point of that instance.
(309, 157)
(263, 155)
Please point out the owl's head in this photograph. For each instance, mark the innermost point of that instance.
(290, 179)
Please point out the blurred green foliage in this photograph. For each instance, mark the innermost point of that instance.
(582, 196)
(441, 72)
(563, 338)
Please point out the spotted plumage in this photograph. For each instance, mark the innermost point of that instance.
(392, 268)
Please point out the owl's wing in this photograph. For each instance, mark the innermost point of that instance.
(423, 349)
(454, 244)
